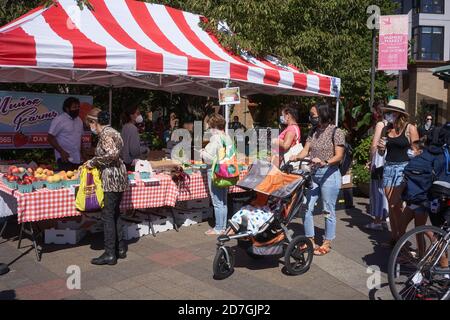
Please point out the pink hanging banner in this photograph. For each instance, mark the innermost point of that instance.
(393, 43)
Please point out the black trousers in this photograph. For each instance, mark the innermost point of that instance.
(112, 222)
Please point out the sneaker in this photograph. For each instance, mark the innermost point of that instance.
(374, 226)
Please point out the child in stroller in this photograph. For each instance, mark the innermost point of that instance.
(263, 224)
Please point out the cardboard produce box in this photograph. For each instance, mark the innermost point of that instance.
(347, 180)
(156, 155)
(164, 165)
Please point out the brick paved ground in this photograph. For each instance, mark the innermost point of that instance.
(179, 266)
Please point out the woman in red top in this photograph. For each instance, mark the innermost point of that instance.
(289, 137)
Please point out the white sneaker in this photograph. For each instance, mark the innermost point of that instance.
(374, 226)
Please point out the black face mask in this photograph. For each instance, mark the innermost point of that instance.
(314, 121)
(74, 113)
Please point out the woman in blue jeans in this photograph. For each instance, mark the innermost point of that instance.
(398, 142)
(219, 196)
(325, 147)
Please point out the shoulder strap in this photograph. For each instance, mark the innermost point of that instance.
(407, 132)
(436, 133)
(334, 134)
(297, 132)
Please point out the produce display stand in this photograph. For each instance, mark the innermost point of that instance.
(45, 204)
(141, 45)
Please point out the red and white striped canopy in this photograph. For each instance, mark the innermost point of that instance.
(130, 43)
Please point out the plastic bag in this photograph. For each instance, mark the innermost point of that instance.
(90, 193)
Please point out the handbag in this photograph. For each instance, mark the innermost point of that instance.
(377, 167)
(90, 194)
(225, 168)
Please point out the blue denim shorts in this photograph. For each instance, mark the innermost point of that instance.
(393, 174)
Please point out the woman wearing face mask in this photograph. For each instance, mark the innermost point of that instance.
(130, 134)
(398, 142)
(289, 137)
(426, 131)
(325, 146)
(114, 182)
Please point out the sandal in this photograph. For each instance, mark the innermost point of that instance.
(213, 232)
(323, 249)
(315, 246)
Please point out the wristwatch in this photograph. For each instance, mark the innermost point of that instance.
(326, 163)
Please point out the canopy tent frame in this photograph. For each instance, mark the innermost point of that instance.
(101, 47)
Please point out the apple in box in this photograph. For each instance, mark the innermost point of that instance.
(13, 170)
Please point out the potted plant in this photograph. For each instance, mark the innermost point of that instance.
(361, 168)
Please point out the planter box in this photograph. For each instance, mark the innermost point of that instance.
(363, 189)
(63, 236)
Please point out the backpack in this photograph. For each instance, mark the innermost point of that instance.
(225, 168)
(347, 160)
(419, 175)
(432, 165)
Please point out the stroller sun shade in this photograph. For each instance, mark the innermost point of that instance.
(268, 179)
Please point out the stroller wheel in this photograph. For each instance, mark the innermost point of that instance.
(223, 265)
(298, 255)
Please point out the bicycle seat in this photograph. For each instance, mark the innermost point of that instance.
(444, 184)
(440, 189)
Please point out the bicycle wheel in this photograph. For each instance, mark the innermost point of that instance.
(413, 265)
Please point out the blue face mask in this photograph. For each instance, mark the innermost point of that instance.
(390, 117)
(282, 120)
(94, 131)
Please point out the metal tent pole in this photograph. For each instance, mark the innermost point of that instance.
(337, 110)
(110, 105)
(227, 111)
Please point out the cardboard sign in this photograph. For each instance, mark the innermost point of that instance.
(25, 117)
(229, 96)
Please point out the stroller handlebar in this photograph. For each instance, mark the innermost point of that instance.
(288, 168)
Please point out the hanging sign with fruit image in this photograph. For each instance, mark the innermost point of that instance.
(25, 117)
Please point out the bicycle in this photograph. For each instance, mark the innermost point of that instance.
(418, 265)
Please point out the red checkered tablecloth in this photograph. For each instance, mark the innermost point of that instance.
(156, 194)
(195, 188)
(47, 204)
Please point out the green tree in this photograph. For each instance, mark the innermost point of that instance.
(328, 36)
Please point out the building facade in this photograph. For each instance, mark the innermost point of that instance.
(429, 33)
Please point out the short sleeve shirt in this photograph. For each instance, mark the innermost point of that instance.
(68, 133)
(321, 142)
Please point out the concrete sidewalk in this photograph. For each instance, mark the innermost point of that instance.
(178, 265)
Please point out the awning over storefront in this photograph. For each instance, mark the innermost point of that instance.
(442, 72)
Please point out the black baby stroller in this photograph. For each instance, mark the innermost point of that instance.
(284, 192)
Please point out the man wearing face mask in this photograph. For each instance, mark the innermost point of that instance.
(65, 135)
(426, 131)
(132, 149)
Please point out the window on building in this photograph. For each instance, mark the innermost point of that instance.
(429, 6)
(428, 43)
